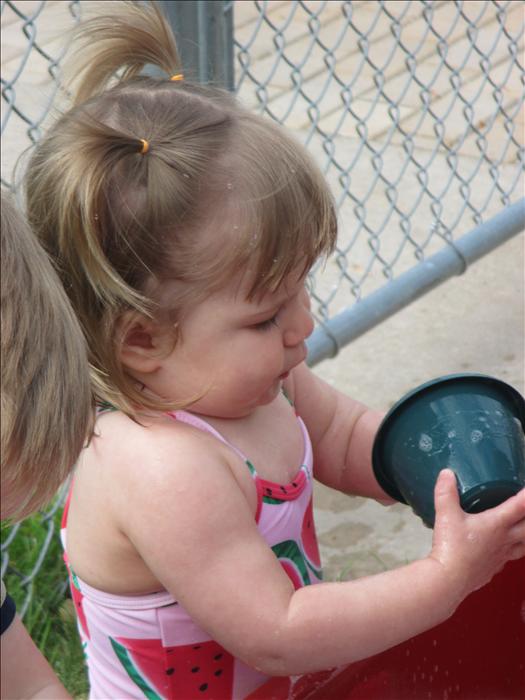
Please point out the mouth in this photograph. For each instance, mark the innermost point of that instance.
(284, 375)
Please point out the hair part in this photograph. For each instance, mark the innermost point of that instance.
(46, 396)
(219, 190)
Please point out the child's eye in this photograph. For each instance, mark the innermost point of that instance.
(266, 325)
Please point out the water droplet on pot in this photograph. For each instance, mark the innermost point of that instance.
(425, 443)
(476, 436)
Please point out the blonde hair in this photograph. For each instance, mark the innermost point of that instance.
(46, 398)
(121, 219)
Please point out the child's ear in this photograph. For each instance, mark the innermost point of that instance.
(141, 343)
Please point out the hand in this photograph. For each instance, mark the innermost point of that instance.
(474, 547)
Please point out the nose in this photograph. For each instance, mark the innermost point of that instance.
(300, 323)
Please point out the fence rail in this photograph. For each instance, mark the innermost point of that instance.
(414, 111)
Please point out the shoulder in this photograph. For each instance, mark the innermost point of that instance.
(132, 465)
(171, 479)
(152, 447)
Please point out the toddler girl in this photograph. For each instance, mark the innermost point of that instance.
(184, 227)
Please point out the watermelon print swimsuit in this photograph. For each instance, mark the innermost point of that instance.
(148, 646)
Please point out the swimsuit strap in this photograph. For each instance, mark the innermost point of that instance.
(201, 424)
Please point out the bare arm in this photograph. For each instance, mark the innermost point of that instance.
(197, 534)
(25, 672)
(342, 431)
(393, 606)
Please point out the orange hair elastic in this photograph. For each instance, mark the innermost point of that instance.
(145, 146)
(177, 76)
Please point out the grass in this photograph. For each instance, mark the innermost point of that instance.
(49, 618)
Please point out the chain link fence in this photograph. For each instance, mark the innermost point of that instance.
(23, 564)
(33, 47)
(414, 111)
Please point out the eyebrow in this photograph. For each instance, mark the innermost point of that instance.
(265, 312)
(280, 298)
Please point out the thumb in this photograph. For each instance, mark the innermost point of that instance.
(446, 496)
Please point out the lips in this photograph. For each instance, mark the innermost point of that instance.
(302, 358)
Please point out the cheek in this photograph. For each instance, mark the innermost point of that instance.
(269, 358)
(262, 355)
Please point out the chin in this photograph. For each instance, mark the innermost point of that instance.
(272, 393)
(248, 405)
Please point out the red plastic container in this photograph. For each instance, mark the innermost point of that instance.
(478, 654)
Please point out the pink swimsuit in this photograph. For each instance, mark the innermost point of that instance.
(148, 646)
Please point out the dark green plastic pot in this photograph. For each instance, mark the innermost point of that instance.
(472, 424)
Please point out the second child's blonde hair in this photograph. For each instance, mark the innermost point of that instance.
(147, 181)
(46, 407)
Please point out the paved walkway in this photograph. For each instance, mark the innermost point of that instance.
(472, 323)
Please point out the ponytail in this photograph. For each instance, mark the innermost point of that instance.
(124, 43)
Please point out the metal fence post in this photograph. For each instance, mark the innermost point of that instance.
(204, 33)
(338, 331)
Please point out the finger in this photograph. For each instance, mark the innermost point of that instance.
(513, 509)
(516, 552)
(517, 533)
(446, 496)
